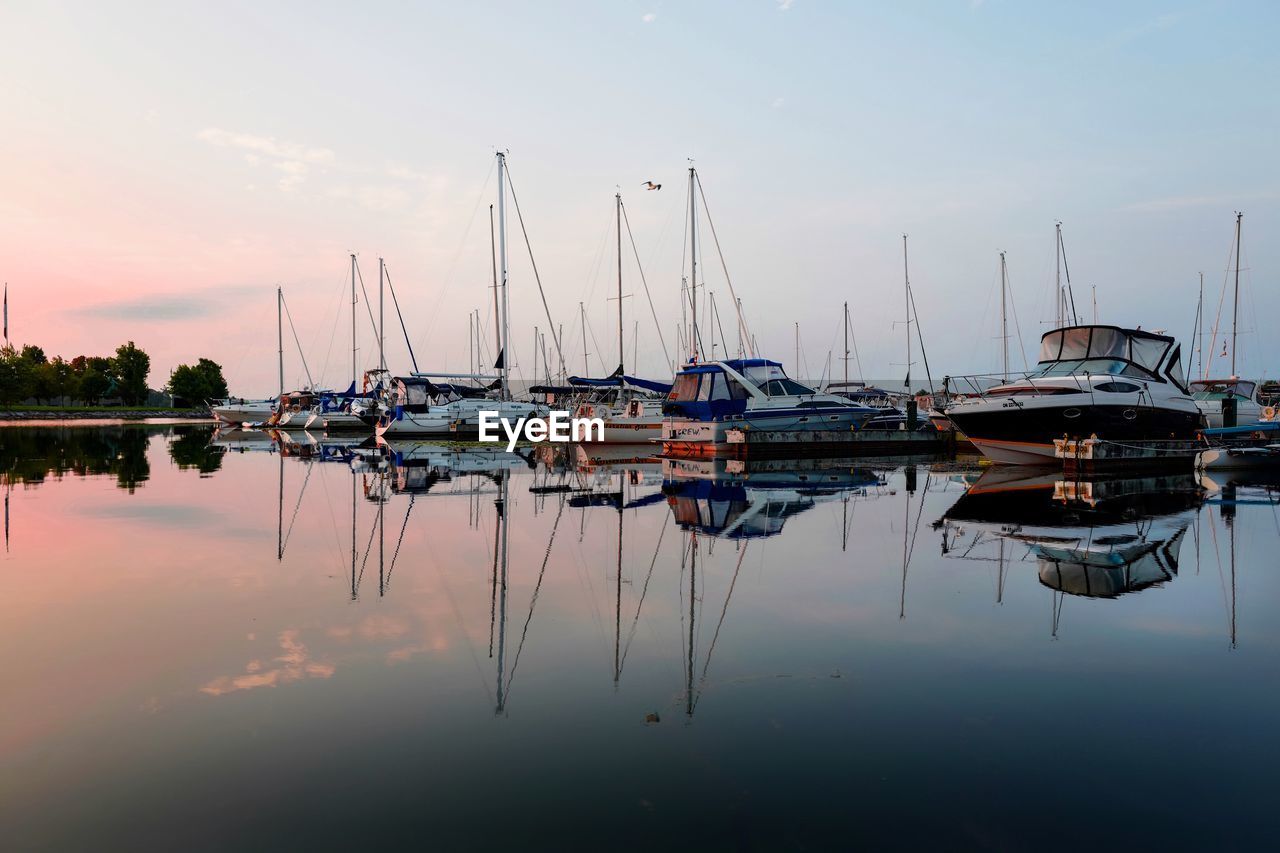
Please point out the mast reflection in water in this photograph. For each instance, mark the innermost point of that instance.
(716, 651)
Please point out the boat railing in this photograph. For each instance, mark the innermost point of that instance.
(981, 384)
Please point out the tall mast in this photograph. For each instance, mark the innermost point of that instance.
(353, 318)
(693, 264)
(1057, 281)
(280, 333)
(497, 320)
(382, 335)
(846, 345)
(906, 281)
(797, 373)
(1200, 331)
(621, 344)
(502, 261)
(1004, 318)
(1235, 311)
(582, 318)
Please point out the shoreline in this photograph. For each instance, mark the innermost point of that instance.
(136, 414)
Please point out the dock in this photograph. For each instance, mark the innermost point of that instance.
(1095, 454)
(765, 444)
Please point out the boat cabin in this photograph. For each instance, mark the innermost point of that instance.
(1221, 389)
(720, 388)
(1092, 350)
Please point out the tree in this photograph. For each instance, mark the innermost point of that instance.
(15, 376)
(130, 368)
(33, 354)
(212, 372)
(93, 384)
(193, 384)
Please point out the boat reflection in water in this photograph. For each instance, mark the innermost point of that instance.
(1097, 538)
(736, 499)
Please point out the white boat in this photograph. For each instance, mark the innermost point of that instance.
(1210, 394)
(1091, 381)
(453, 419)
(235, 411)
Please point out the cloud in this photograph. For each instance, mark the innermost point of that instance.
(294, 159)
(648, 17)
(784, 5)
(267, 146)
(160, 307)
(778, 103)
(295, 664)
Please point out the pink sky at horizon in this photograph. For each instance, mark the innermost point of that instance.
(163, 170)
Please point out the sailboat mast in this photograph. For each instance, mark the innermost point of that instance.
(353, 318)
(1200, 331)
(621, 343)
(693, 264)
(280, 333)
(582, 318)
(1235, 311)
(906, 281)
(1004, 318)
(846, 345)
(502, 259)
(1058, 316)
(382, 335)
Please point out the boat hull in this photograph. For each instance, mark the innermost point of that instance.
(1022, 432)
(234, 415)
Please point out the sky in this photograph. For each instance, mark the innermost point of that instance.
(164, 167)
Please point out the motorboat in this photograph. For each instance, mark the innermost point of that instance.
(235, 411)
(1211, 394)
(1107, 382)
(708, 399)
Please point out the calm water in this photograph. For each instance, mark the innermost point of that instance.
(207, 646)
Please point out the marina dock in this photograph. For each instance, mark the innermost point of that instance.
(762, 444)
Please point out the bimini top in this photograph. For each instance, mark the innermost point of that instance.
(619, 380)
(1111, 349)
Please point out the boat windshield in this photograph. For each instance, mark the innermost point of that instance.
(1085, 366)
(771, 379)
(1219, 389)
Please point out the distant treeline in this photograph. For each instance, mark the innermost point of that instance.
(27, 374)
(31, 455)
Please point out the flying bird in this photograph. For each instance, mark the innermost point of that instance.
(650, 185)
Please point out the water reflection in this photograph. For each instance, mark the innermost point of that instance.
(431, 612)
(735, 499)
(31, 454)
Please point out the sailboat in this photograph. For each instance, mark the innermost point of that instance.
(1211, 395)
(237, 411)
(890, 416)
(631, 408)
(710, 398)
(418, 405)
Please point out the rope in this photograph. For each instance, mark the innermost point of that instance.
(298, 343)
(555, 335)
(400, 316)
(742, 323)
(400, 539)
(301, 492)
(626, 221)
(533, 601)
